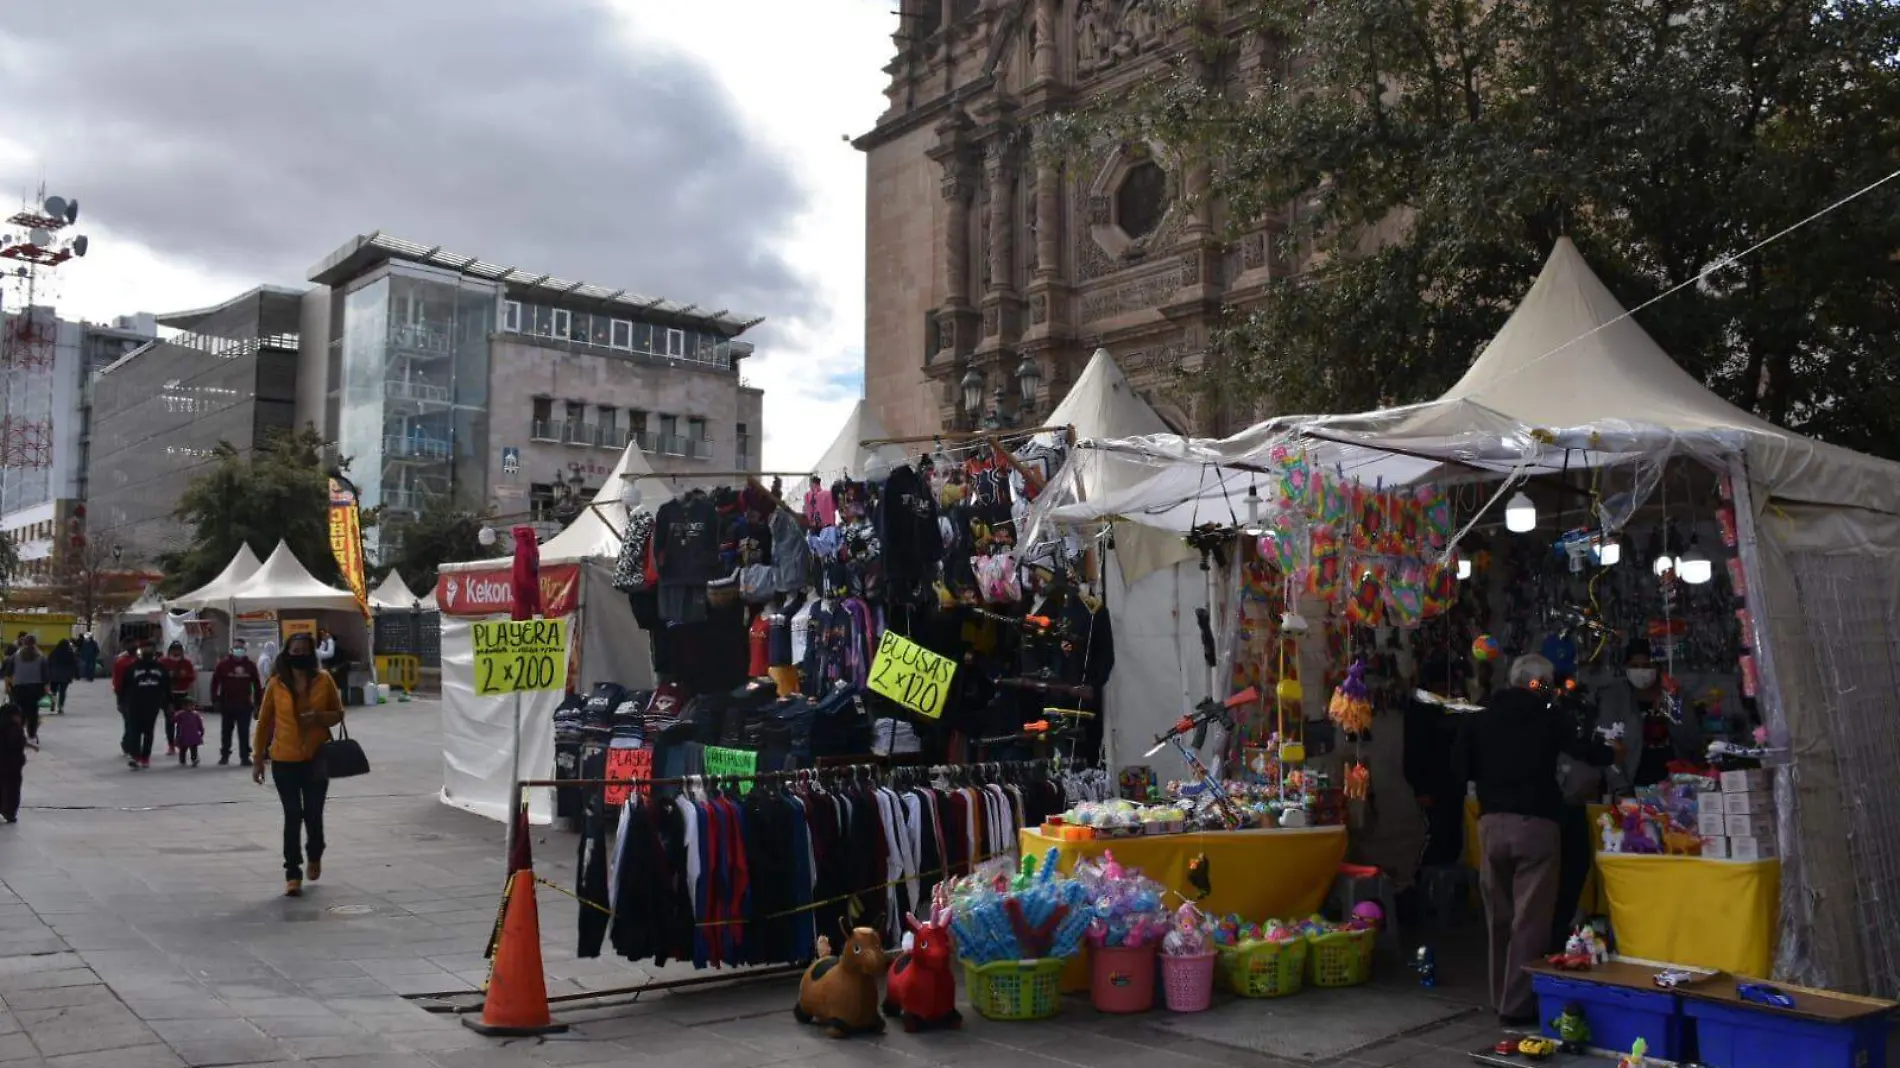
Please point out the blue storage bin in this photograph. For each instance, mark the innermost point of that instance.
(1617, 1015)
(1735, 1037)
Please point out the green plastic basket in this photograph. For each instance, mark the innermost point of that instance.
(1342, 958)
(1015, 989)
(1265, 969)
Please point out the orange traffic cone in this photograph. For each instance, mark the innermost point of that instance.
(517, 999)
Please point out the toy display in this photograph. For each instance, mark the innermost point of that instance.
(921, 989)
(1572, 1028)
(1536, 1047)
(1125, 905)
(840, 993)
(1351, 706)
(997, 915)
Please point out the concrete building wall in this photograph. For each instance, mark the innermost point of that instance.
(903, 279)
(526, 368)
(313, 354)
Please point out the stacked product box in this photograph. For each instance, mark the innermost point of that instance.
(1738, 823)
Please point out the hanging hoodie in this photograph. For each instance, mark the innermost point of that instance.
(906, 521)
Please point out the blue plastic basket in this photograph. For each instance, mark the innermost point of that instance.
(1736, 1037)
(1617, 1016)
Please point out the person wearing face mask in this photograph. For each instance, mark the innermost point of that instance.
(299, 706)
(148, 695)
(236, 684)
(1638, 705)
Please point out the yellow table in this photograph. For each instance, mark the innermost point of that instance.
(1697, 911)
(1282, 873)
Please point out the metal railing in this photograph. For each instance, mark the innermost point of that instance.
(580, 434)
(418, 392)
(672, 445)
(699, 448)
(414, 337)
(415, 448)
(545, 430)
(406, 500)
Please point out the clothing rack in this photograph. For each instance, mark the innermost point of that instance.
(857, 771)
(964, 436)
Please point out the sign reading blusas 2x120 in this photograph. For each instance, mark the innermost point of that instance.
(911, 675)
(516, 655)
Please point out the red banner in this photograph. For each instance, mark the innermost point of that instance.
(491, 592)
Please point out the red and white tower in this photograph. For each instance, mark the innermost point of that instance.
(30, 251)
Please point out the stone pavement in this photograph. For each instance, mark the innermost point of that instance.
(141, 927)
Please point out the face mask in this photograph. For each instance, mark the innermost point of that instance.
(1642, 678)
(239, 653)
(305, 661)
(149, 654)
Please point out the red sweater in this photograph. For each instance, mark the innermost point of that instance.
(119, 664)
(181, 671)
(235, 685)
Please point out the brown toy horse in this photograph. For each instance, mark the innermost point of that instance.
(840, 993)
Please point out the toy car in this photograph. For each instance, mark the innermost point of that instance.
(1537, 1047)
(1763, 994)
(1506, 1046)
(1673, 978)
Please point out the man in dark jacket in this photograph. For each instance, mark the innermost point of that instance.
(1511, 750)
(236, 686)
(148, 695)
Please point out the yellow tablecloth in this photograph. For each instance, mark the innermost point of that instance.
(1260, 874)
(1698, 911)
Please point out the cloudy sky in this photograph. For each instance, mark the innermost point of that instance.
(691, 150)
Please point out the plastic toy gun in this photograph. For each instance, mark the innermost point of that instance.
(1195, 724)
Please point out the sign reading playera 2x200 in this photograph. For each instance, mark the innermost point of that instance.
(512, 656)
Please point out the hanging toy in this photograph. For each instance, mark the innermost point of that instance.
(1351, 707)
(1485, 648)
(1200, 877)
(1358, 782)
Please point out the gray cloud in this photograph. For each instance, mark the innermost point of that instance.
(255, 136)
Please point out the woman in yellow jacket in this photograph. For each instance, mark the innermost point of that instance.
(294, 717)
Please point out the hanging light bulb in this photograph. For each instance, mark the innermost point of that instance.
(1694, 567)
(1520, 515)
(1464, 570)
(486, 536)
(1253, 511)
(1663, 565)
(1610, 553)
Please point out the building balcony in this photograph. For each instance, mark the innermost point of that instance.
(419, 393)
(580, 434)
(406, 500)
(544, 430)
(415, 447)
(672, 445)
(699, 448)
(416, 339)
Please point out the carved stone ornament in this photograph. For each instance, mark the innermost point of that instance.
(1039, 309)
(1104, 247)
(1254, 251)
(1190, 269)
(1112, 32)
(989, 322)
(946, 334)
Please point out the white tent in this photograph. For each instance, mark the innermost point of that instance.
(213, 594)
(283, 583)
(150, 605)
(1572, 379)
(846, 457)
(479, 760)
(393, 595)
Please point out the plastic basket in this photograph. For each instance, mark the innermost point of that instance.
(1264, 970)
(1015, 989)
(1122, 980)
(1187, 983)
(1342, 958)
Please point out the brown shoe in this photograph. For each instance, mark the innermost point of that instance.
(313, 870)
(293, 887)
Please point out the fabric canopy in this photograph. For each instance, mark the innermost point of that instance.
(595, 533)
(150, 604)
(846, 458)
(1102, 404)
(213, 594)
(283, 583)
(393, 595)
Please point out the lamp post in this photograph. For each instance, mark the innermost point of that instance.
(1001, 415)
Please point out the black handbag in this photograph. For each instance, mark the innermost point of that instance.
(341, 758)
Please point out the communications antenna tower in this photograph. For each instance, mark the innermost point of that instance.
(35, 245)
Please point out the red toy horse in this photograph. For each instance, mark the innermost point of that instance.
(921, 988)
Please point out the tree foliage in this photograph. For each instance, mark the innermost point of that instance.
(89, 582)
(10, 565)
(278, 491)
(1661, 135)
(442, 533)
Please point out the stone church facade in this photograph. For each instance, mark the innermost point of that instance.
(982, 252)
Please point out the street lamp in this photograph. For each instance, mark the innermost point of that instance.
(1028, 382)
(973, 392)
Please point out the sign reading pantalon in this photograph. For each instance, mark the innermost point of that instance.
(512, 656)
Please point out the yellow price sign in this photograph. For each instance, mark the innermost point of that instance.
(517, 655)
(911, 675)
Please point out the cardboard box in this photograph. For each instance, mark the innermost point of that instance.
(1752, 803)
(1715, 845)
(1709, 801)
(1741, 782)
(1745, 848)
(1749, 826)
(1711, 823)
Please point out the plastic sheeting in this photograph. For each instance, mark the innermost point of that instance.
(1159, 672)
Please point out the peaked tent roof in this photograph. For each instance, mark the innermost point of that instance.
(1103, 404)
(594, 534)
(845, 458)
(393, 594)
(150, 604)
(284, 583)
(217, 592)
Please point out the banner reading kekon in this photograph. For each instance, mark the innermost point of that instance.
(490, 592)
(346, 542)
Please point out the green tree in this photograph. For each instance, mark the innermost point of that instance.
(278, 491)
(10, 565)
(1661, 135)
(441, 534)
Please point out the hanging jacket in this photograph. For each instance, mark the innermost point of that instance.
(906, 523)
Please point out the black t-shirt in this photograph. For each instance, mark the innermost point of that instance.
(1510, 750)
(1658, 747)
(687, 541)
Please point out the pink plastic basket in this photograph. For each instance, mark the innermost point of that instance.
(1122, 980)
(1187, 983)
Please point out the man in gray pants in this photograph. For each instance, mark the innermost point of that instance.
(1511, 750)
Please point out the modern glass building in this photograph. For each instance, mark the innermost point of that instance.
(158, 413)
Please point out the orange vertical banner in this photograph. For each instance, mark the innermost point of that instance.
(346, 541)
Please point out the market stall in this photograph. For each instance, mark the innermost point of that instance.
(1748, 555)
(406, 633)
